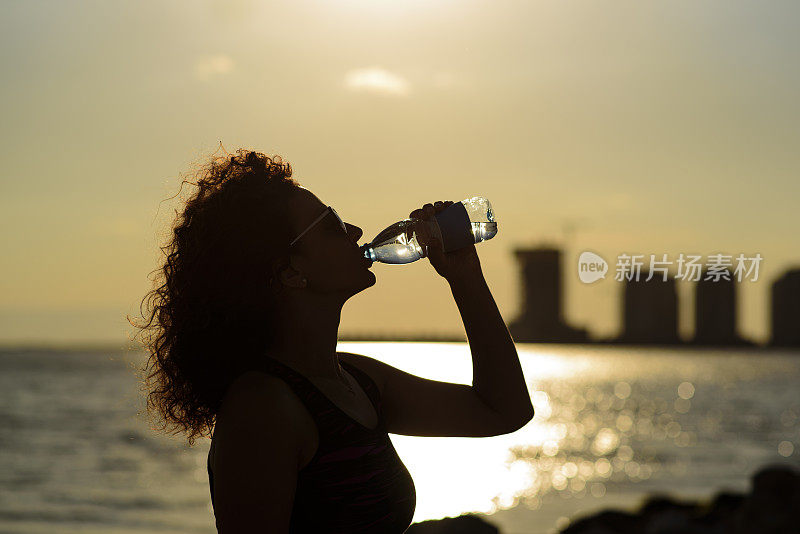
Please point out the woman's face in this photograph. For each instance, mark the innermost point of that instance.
(326, 256)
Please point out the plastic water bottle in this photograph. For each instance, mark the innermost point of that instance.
(460, 224)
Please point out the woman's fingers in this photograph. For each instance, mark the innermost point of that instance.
(429, 210)
(426, 212)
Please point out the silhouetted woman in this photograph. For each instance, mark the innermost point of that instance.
(242, 343)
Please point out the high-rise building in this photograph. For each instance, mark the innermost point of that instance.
(715, 311)
(541, 318)
(650, 310)
(786, 310)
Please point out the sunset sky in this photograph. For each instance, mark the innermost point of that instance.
(617, 127)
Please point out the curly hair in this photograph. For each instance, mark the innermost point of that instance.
(210, 317)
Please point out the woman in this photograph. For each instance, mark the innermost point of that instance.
(244, 350)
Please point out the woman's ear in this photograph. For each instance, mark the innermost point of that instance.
(285, 275)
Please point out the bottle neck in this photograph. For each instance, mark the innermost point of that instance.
(367, 252)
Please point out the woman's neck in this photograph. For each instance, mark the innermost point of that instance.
(306, 339)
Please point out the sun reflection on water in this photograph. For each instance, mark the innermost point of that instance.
(604, 418)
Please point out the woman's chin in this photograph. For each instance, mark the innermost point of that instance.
(371, 279)
(367, 281)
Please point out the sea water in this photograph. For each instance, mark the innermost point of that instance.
(611, 426)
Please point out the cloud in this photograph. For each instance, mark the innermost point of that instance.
(212, 65)
(376, 80)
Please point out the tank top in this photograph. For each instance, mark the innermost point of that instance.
(355, 482)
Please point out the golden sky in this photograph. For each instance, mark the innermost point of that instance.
(647, 127)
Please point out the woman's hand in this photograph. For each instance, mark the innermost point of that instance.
(454, 265)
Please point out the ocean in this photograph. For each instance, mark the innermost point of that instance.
(612, 425)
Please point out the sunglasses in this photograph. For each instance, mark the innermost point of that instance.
(318, 219)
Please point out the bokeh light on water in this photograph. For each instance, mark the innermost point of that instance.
(608, 420)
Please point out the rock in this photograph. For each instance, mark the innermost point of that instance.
(464, 524)
(772, 507)
(607, 522)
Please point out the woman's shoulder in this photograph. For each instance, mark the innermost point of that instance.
(260, 390)
(256, 385)
(259, 401)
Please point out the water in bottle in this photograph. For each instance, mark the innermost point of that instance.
(463, 223)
